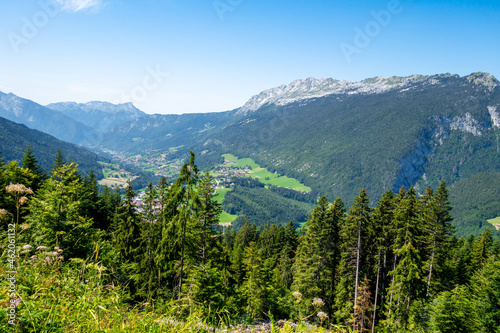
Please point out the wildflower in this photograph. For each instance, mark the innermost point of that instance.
(3, 212)
(22, 200)
(18, 188)
(318, 302)
(24, 226)
(322, 316)
(297, 295)
(27, 247)
(41, 248)
(34, 257)
(145, 304)
(48, 259)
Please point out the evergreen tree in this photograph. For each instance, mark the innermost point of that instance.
(485, 285)
(186, 182)
(208, 213)
(454, 311)
(30, 162)
(125, 227)
(408, 283)
(318, 253)
(481, 250)
(58, 160)
(357, 257)
(56, 214)
(435, 214)
(383, 217)
(246, 235)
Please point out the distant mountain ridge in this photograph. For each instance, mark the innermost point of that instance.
(38, 117)
(98, 115)
(311, 88)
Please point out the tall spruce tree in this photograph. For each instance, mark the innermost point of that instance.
(318, 254)
(57, 216)
(186, 182)
(383, 216)
(408, 283)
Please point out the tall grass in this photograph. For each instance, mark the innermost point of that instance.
(80, 296)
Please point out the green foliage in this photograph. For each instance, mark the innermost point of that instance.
(56, 214)
(454, 311)
(164, 265)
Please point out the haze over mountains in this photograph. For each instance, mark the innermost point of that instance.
(334, 136)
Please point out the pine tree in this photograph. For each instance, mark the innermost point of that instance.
(481, 250)
(485, 285)
(30, 162)
(408, 283)
(208, 213)
(318, 253)
(246, 235)
(58, 161)
(362, 315)
(256, 284)
(186, 181)
(56, 214)
(383, 216)
(125, 227)
(437, 219)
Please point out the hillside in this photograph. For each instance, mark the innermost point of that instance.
(14, 138)
(338, 136)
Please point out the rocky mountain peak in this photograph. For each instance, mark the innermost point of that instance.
(313, 88)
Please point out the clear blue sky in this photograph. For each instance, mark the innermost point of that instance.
(219, 53)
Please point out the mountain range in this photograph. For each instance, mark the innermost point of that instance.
(334, 136)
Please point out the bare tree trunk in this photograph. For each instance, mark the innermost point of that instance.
(382, 291)
(376, 293)
(358, 255)
(393, 277)
(184, 240)
(430, 274)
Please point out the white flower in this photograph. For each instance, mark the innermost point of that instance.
(297, 295)
(318, 302)
(322, 316)
(19, 188)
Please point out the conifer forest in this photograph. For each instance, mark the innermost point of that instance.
(89, 260)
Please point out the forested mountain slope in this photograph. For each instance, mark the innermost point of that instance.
(15, 138)
(338, 136)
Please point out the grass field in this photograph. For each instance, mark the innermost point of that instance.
(225, 217)
(495, 221)
(264, 175)
(222, 194)
(114, 182)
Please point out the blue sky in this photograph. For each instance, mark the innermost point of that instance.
(173, 56)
